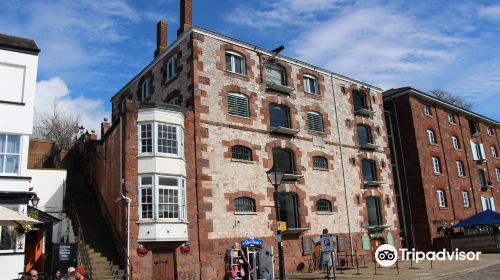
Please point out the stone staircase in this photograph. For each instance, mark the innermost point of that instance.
(99, 246)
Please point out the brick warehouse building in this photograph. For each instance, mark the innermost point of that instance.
(446, 164)
(193, 134)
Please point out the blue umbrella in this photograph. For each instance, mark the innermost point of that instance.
(487, 217)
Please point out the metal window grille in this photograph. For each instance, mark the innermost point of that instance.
(244, 204)
(323, 205)
(167, 139)
(460, 168)
(315, 121)
(237, 105)
(241, 153)
(146, 138)
(320, 162)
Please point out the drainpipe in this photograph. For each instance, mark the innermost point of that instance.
(127, 199)
(343, 170)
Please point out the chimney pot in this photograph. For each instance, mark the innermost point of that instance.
(161, 37)
(186, 16)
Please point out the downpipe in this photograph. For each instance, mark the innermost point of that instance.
(126, 198)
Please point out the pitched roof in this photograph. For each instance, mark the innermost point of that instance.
(18, 44)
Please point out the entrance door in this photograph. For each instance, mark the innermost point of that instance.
(33, 258)
(375, 242)
(163, 264)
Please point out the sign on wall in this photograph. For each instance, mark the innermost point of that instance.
(366, 242)
(327, 243)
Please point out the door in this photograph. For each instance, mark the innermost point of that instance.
(375, 242)
(163, 264)
(33, 258)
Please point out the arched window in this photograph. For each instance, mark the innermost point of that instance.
(436, 166)
(359, 100)
(283, 159)
(427, 111)
(364, 134)
(441, 198)
(244, 204)
(430, 135)
(373, 209)
(315, 121)
(311, 85)
(460, 168)
(237, 105)
(369, 171)
(276, 74)
(241, 153)
(235, 63)
(494, 152)
(455, 142)
(288, 209)
(324, 206)
(320, 162)
(146, 88)
(279, 116)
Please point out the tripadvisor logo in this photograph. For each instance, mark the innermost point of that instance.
(386, 255)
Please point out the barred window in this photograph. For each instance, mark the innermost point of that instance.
(441, 198)
(241, 153)
(146, 138)
(315, 121)
(320, 162)
(244, 204)
(167, 139)
(237, 105)
(324, 206)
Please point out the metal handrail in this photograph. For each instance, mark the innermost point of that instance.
(82, 253)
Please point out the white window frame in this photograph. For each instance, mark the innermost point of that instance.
(311, 89)
(154, 134)
(431, 136)
(427, 111)
(451, 118)
(460, 168)
(146, 88)
(19, 238)
(497, 171)
(171, 70)
(488, 203)
(145, 187)
(494, 152)
(454, 140)
(436, 165)
(181, 201)
(232, 67)
(441, 199)
(4, 153)
(465, 198)
(477, 151)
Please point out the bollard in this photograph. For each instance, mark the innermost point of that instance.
(431, 264)
(375, 267)
(397, 266)
(357, 266)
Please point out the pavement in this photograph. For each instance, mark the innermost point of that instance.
(487, 267)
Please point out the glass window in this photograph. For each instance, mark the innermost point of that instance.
(456, 144)
(167, 139)
(146, 138)
(435, 165)
(482, 179)
(364, 134)
(359, 100)
(275, 74)
(9, 153)
(283, 159)
(288, 209)
(279, 116)
(451, 118)
(146, 88)
(460, 168)
(235, 63)
(497, 171)
(465, 197)
(244, 204)
(171, 70)
(430, 135)
(369, 171)
(315, 121)
(490, 131)
(237, 105)
(320, 162)
(373, 208)
(427, 111)
(241, 153)
(311, 85)
(494, 152)
(162, 197)
(324, 205)
(441, 198)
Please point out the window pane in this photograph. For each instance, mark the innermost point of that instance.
(237, 105)
(2, 162)
(275, 74)
(359, 101)
(372, 205)
(167, 139)
(7, 238)
(2, 143)
(146, 138)
(147, 203)
(11, 164)
(146, 180)
(228, 62)
(168, 204)
(369, 170)
(166, 181)
(288, 209)
(283, 160)
(244, 204)
(279, 116)
(364, 136)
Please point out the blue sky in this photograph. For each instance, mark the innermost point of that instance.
(90, 49)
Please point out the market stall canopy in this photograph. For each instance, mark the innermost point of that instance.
(12, 218)
(487, 217)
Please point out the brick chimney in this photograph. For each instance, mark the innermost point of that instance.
(161, 37)
(104, 127)
(186, 16)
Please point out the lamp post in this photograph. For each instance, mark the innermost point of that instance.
(275, 176)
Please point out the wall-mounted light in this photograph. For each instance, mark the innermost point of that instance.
(34, 200)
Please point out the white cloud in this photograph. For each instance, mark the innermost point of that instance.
(55, 91)
(492, 12)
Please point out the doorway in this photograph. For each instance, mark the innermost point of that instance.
(163, 264)
(34, 255)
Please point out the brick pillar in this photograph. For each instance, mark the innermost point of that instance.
(186, 16)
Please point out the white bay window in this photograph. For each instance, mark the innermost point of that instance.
(162, 197)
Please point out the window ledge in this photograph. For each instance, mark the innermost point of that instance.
(245, 213)
(443, 208)
(324, 213)
(372, 183)
(292, 177)
(238, 116)
(279, 88)
(434, 144)
(12, 103)
(429, 116)
(14, 177)
(295, 230)
(457, 149)
(365, 112)
(242, 161)
(312, 93)
(284, 130)
(236, 73)
(462, 177)
(438, 174)
(150, 155)
(321, 169)
(173, 221)
(368, 146)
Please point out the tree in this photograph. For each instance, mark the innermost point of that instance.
(450, 98)
(59, 127)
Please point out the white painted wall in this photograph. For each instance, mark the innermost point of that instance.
(11, 265)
